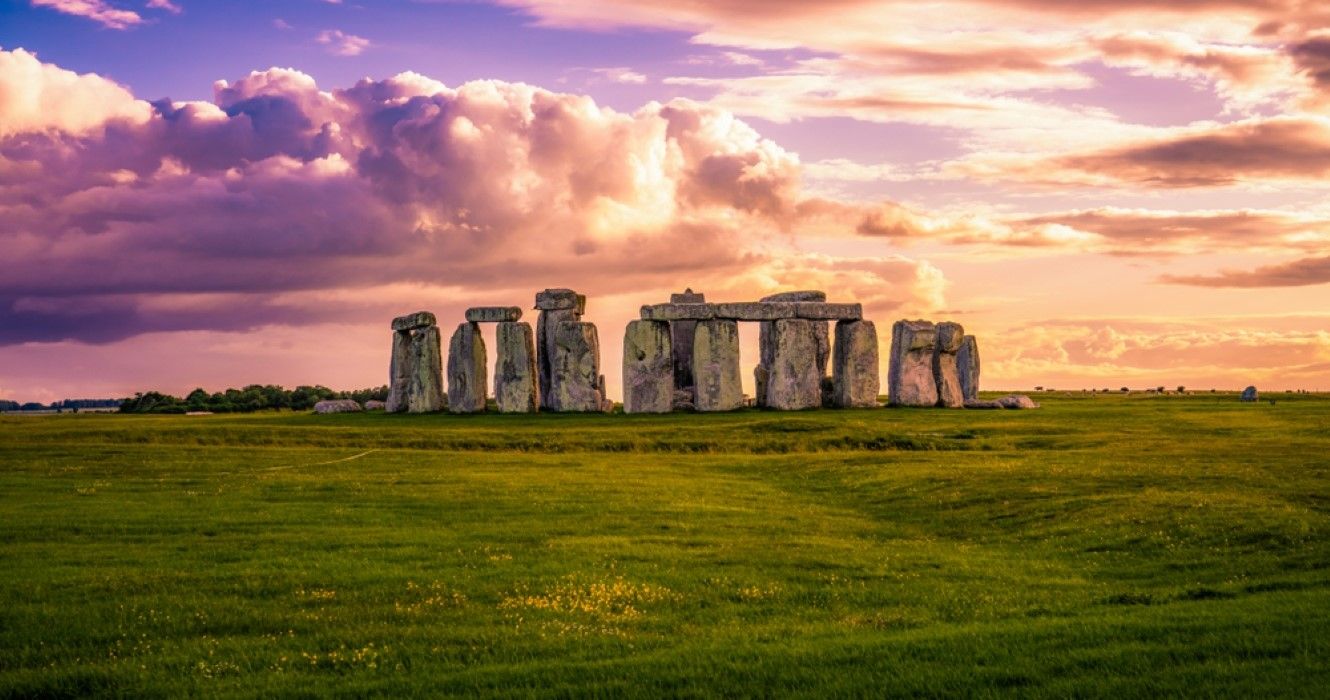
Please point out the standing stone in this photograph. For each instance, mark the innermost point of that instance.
(947, 343)
(424, 389)
(546, 350)
(820, 330)
(574, 368)
(794, 382)
(910, 370)
(855, 368)
(681, 344)
(399, 372)
(515, 383)
(967, 366)
(649, 372)
(1249, 395)
(716, 366)
(466, 370)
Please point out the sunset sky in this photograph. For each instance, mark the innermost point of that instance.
(1105, 192)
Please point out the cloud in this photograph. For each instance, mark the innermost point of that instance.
(39, 97)
(98, 11)
(340, 43)
(164, 5)
(1293, 149)
(1298, 273)
(138, 217)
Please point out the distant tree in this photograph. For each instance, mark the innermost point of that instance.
(1039, 388)
(10, 405)
(1182, 389)
(1124, 390)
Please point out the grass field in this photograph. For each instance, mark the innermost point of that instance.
(1130, 546)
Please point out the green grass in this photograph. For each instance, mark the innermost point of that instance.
(1130, 546)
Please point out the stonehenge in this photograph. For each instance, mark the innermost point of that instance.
(855, 365)
(716, 366)
(967, 366)
(650, 372)
(683, 354)
(937, 365)
(415, 381)
(515, 381)
(467, 366)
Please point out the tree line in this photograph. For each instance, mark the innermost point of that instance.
(255, 397)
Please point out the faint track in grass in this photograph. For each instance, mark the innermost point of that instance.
(319, 464)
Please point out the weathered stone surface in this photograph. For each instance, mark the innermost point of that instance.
(467, 367)
(399, 372)
(648, 368)
(688, 296)
(424, 390)
(947, 342)
(1249, 395)
(559, 300)
(410, 322)
(374, 405)
(606, 404)
(910, 369)
(337, 406)
(855, 368)
(546, 349)
(493, 314)
(754, 310)
(515, 383)
(683, 400)
(1014, 401)
(793, 382)
(821, 311)
(575, 368)
(800, 295)
(716, 366)
(678, 312)
(967, 367)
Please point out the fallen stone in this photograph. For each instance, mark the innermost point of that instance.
(410, 322)
(793, 382)
(855, 368)
(648, 368)
(467, 366)
(424, 391)
(947, 342)
(515, 381)
(374, 405)
(683, 401)
(967, 367)
(910, 370)
(575, 368)
(493, 314)
(1013, 401)
(716, 366)
(820, 311)
(337, 406)
(678, 312)
(1250, 395)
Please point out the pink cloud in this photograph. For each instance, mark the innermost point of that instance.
(98, 11)
(340, 43)
(279, 186)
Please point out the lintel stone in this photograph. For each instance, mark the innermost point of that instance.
(822, 311)
(493, 314)
(678, 312)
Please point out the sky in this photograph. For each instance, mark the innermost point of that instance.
(1106, 193)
